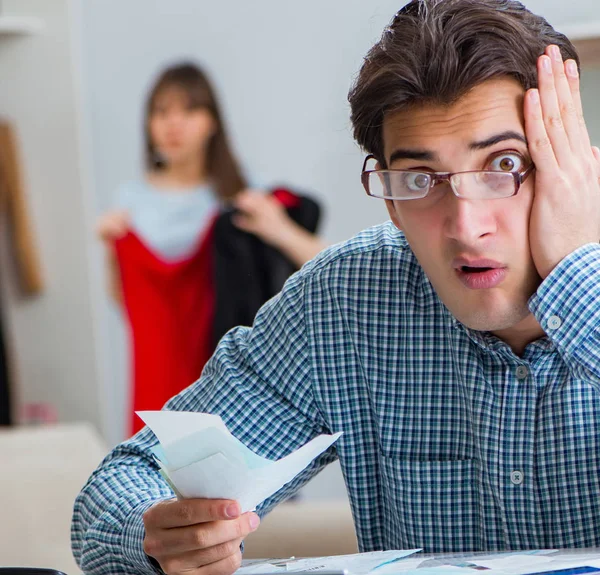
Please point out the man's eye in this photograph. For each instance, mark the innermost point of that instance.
(507, 163)
(416, 182)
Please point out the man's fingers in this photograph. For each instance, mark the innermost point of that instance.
(175, 513)
(538, 142)
(201, 536)
(551, 116)
(572, 75)
(226, 566)
(185, 562)
(566, 105)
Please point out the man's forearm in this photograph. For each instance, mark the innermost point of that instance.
(107, 531)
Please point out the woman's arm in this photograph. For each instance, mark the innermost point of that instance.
(265, 217)
(296, 243)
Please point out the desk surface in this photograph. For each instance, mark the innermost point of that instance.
(534, 562)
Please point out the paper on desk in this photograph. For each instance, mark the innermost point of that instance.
(535, 561)
(355, 564)
(201, 459)
(542, 561)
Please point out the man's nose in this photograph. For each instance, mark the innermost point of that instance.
(468, 220)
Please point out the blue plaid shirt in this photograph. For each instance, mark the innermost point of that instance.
(451, 441)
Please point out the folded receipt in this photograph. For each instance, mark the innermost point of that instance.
(201, 459)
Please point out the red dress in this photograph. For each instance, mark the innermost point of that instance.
(170, 308)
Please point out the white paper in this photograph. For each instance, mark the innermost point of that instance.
(405, 563)
(518, 563)
(499, 563)
(355, 564)
(202, 459)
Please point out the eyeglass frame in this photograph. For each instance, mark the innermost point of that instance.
(441, 177)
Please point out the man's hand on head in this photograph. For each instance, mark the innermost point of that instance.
(565, 214)
(197, 536)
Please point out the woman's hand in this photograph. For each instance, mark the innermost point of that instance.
(265, 217)
(262, 215)
(113, 225)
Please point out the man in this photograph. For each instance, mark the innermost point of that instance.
(455, 347)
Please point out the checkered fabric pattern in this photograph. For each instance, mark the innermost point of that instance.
(451, 442)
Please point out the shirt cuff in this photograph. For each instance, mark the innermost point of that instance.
(566, 304)
(132, 540)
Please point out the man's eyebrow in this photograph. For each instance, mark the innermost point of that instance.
(407, 154)
(508, 135)
(429, 156)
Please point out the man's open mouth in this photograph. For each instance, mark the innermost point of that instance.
(474, 270)
(479, 273)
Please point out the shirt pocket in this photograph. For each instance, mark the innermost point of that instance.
(432, 504)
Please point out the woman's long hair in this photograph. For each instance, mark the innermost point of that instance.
(222, 167)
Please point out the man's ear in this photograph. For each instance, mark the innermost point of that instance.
(389, 204)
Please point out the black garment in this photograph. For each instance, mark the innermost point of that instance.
(248, 272)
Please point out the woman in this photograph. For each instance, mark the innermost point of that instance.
(159, 238)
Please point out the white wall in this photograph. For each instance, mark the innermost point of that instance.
(283, 76)
(560, 13)
(590, 90)
(52, 335)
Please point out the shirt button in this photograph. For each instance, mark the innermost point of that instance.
(516, 477)
(522, 372)
(554, 322)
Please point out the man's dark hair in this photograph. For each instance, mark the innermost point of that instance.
(435, 51)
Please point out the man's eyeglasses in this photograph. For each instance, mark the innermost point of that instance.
(410, 185)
